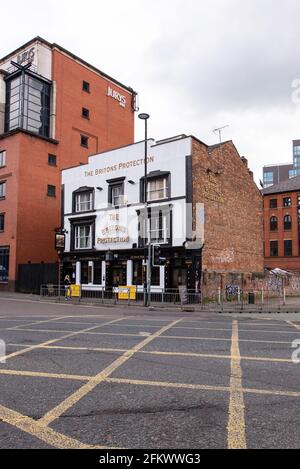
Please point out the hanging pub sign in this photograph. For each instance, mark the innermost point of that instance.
(60, 241)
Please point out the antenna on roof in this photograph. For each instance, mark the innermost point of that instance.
(219, 130)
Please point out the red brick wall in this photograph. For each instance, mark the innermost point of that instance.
(233, 210)
(31, 215)
(109, 125)
(288, 263)
(9, 205)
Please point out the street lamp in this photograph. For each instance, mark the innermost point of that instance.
(147, 272)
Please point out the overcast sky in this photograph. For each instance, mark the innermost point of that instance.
(196, 64)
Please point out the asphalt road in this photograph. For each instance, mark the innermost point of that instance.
(79, 377)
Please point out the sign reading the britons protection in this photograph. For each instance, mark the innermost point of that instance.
(118, 166)
(113, 228)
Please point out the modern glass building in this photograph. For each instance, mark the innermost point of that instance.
(274, 174)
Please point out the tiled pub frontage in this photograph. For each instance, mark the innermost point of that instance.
(109, 270)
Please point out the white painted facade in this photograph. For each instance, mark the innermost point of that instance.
(116, 229)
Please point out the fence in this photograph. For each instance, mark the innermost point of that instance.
(220, 299)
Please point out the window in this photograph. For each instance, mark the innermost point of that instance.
(97, 273)
(4, 264)
(273, 203)
(85, 113)
(116, 191)
(28, 104)
(273, 224)
(268, 178)
(292, 173)
(288, 247)
(157, 189)
(84, 272)
(85, 86)
(83, 201)
(298, 200)
(51, 159)
(287, 201)
(2, 158)
(158, 226)
(117, 195)
(84, 141)
(137, 272)
(287, 222)
(51, 190)
(155, 276)
(2, 216)
(83, 237)
(273, 248)
(2, 190)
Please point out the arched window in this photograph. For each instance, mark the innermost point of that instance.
(273, 224)
(287, 222)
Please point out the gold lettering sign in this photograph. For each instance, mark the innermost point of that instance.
(211, 189)
(118, 166)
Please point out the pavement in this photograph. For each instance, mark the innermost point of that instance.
(79, 376)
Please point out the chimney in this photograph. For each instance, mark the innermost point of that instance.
(245, 161)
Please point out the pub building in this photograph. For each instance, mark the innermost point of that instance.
(108, 226)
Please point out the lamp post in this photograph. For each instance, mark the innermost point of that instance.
(147, 262)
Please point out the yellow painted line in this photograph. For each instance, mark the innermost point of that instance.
(79, 332)
(218, 356)
(163, 384)
(271, 392)
(38, 374)
(40, 431)
(236, 436)
(226, 340)
(158, 352)
(48, 342)
(62, 347)
(36, 322)
(294, 325)
(200, 387)
(90, 385)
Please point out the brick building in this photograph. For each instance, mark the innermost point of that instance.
(204, 210)
(282, 225)
(55, 110)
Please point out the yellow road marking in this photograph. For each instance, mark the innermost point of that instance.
(36, 322)
(203, 387)
(236, 436)
(164, 384)
(294, 325)
(62, 347)
(40, 431)
(226, 340)
(90, 385)
(48, 342)
(208, 355)
(79, 332)
(40, 374)
(158, 352)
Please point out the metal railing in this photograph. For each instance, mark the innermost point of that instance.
(223, 300)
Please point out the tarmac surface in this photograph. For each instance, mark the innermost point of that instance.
(98, 377)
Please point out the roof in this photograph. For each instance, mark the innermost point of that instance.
(289, 185)
(73, 56)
